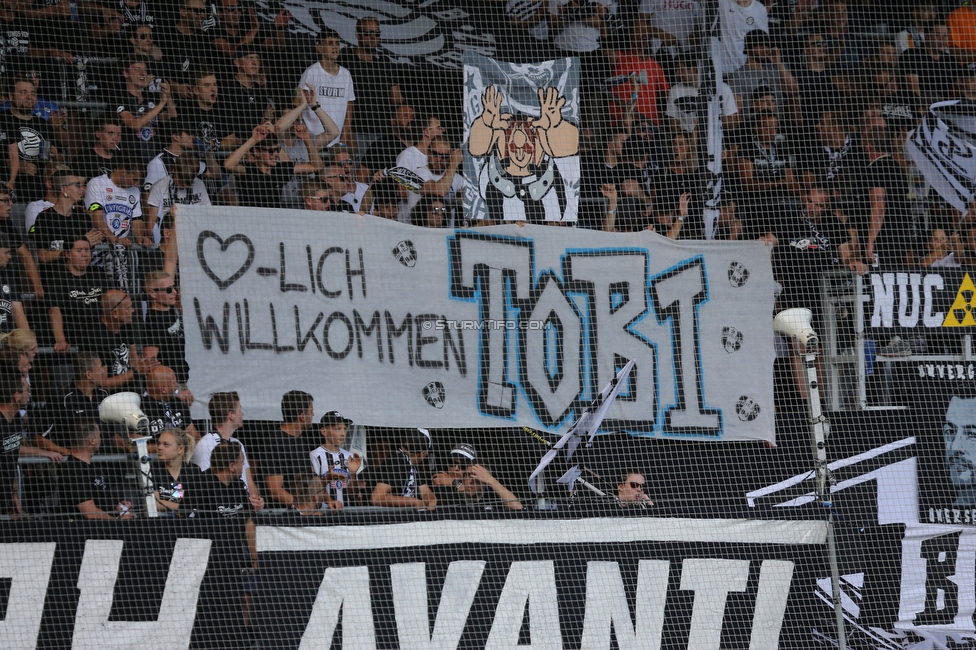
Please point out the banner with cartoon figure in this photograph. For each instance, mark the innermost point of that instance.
(522, 133)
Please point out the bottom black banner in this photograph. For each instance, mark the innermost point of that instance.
(549, 583)
(385, 582)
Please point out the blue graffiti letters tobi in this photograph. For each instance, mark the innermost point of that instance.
(551, 368)
(614, 285)
(677, 294)
(495, 272)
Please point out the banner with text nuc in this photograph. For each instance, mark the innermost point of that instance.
(396, 325)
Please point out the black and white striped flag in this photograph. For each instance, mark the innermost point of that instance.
(944, 148)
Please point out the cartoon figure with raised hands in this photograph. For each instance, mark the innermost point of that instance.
(532, 172)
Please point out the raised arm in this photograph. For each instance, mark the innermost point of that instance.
(233, 162)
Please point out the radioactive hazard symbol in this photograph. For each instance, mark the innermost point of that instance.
(961, 312)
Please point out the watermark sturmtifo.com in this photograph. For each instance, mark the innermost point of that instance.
(487, 324)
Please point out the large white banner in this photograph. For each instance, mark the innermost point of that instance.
(510, 325)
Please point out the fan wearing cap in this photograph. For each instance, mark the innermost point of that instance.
(402, 482)
(338, 468)
(465, 481)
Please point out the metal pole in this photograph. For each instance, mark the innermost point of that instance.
(862, 372)
(145, 473)
(710, 112)
(818, 441)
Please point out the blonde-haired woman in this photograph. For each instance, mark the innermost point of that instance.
(173, 474)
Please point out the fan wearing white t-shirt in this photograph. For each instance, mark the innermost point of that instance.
(113, 200)
(333, 90)
(434, 160)
(739, 17)
(226, 418)
(183, 187)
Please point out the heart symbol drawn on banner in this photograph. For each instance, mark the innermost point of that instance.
(224, 245)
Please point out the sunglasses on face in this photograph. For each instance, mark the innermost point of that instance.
(634, 485)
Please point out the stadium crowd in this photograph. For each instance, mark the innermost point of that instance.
(115, 111)
(212, 103)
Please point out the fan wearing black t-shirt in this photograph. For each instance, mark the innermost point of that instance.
(174, 476)
(209, 115)
(84, 487)
(810, 242)
(142, 105)
(247, 91)
(186, 46)
(97, 160)
(11, 309)
(81, 401)
(162, 406)
(261, 181)
(13, 397)
(374, 79)
(34, 138)
(25, 269)
(163, 327)
(286, 450)
(403, 482)
(219, 492)
(113, 338)
(73, 292)
(891, 233)
(65, 221)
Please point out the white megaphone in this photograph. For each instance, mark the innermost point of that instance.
(123, 408)
(796, 323)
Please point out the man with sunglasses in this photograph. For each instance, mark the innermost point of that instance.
(342, 188)
(262, 179)
(468, 483)
(630, 490)
(163, 327)
(435, 161)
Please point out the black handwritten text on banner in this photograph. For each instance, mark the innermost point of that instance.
(402, 326)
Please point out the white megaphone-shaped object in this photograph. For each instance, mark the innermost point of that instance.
(796, 323)
(123, 408)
